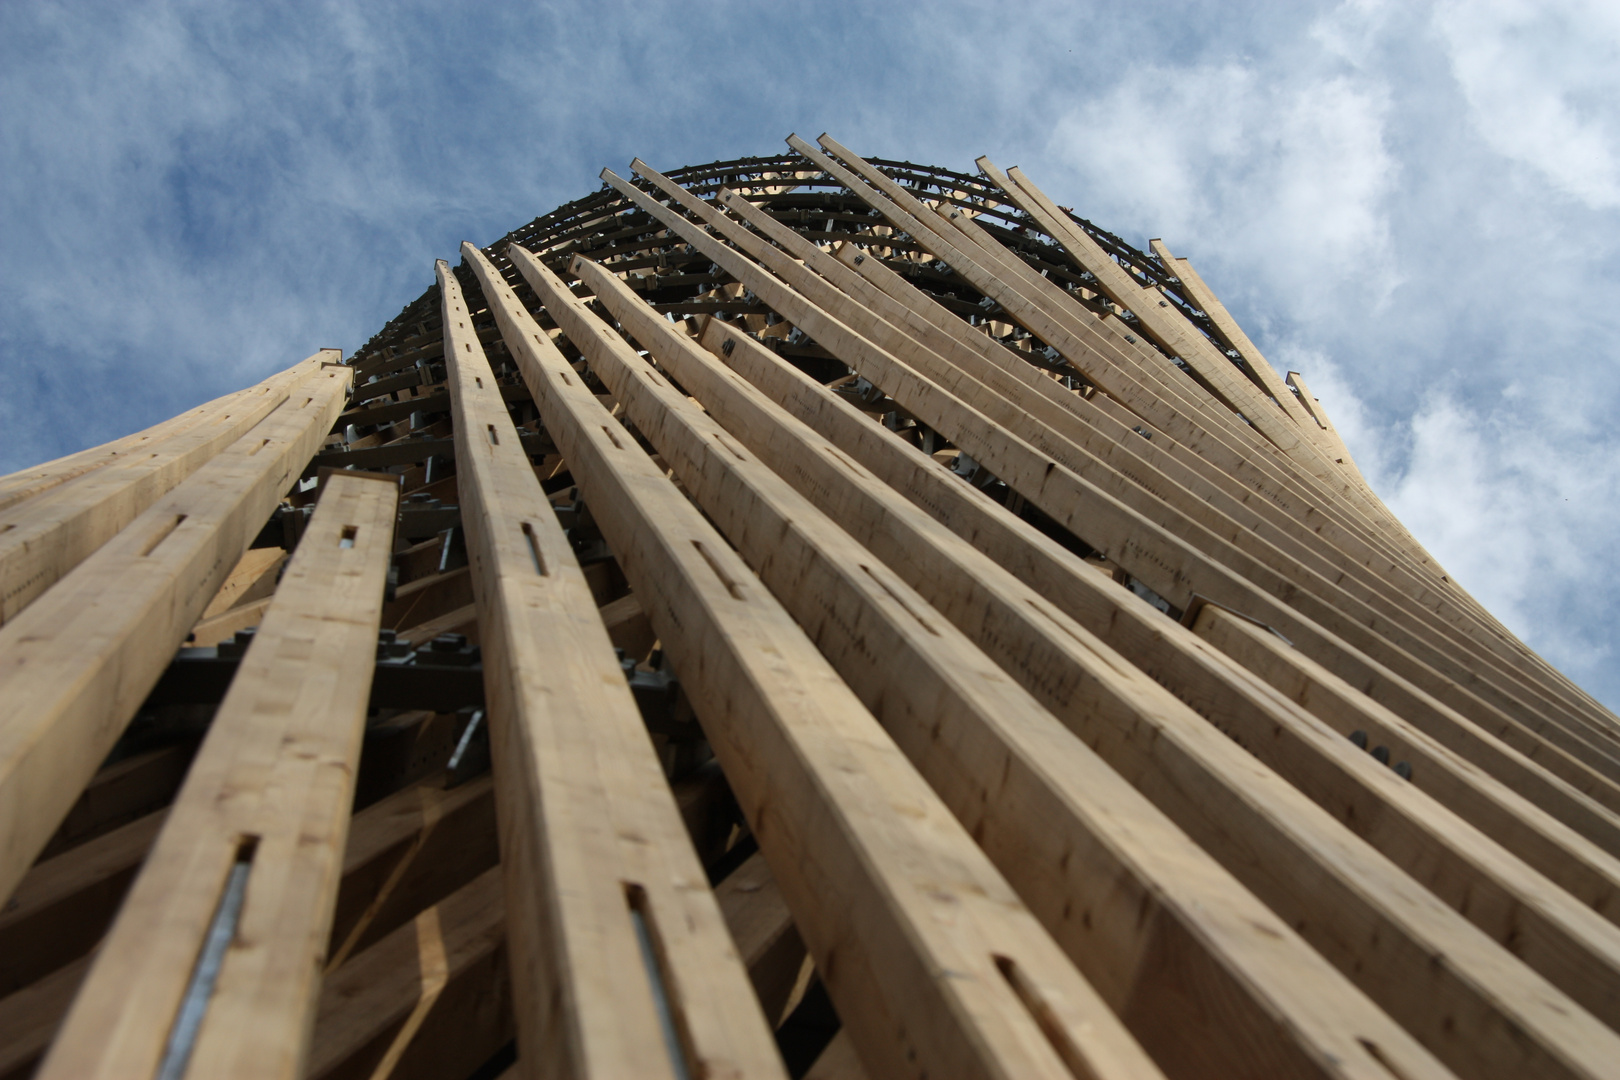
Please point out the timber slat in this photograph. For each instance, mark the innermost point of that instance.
(268, 798)
(872, 863)
(898, 628)
(593, 847)
(76, 663)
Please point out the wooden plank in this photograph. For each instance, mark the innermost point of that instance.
(1192, 285)
(77, 663)
(35, 480)
(47, 536)
(905, 306)
(1585, 870)
(1557, 935)
(1211, 786)
(1159, 475)
(1436, 597)
(1179, 338)
(902, 912)
(594, 854)
(1055, 490)
(268, 798)
(997, 758)
(1169, 653)
(1103, 351)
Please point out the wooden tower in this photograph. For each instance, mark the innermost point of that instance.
(791, 616)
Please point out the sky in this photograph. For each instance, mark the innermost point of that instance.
(1415, 205)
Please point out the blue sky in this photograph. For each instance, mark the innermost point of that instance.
(1416, 205)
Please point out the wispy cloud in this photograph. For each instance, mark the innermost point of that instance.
(1415, 205)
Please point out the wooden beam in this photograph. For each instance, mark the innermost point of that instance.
(597, 864)
(47, 536)
(1201, 561)
(78, 662)
(1002, 762)
(35, 480)
(262, 818)
(1205, 300)
(1161, 477)
(904, 915)
(1108, 354)
(1587, 871)
(1229, 811)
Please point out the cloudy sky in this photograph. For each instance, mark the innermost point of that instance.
(1416, 205)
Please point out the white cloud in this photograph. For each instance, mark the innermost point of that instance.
(1542, 82)
(1235, 158)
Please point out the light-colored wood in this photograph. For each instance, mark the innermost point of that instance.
(902, 305)
(1261, 370)
(1045, 808)
(254, 578)
(1584, 869)
(1152, 545)
(1178, 337)
(905, 917)
(1233, 514)
(77, 663)
(368, 1003)
(1172, 655)
(276, 771)
(591, 838)
(1239, 811)
(27, 483)
(47, 536)
(928, 684)
(1102, 349)
(1552, 792)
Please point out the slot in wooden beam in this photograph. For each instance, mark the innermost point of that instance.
(47, 536)
(266, 803)
(78, 662)
(936, 964)
(592, 842)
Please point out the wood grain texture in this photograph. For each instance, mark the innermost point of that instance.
(276, 770)
(76, 664)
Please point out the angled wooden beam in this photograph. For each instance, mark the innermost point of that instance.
(1174, 656)
(594, 854)
(1173, 557)
(77, 663)
(1202, 296)
(1149, 383)
(937, 966)
(253, 847)
(1586, 870)
(1272, 419)
(1158, 474)
(997, 758)
(1230, 812)
(35, 480)
(47, 536)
